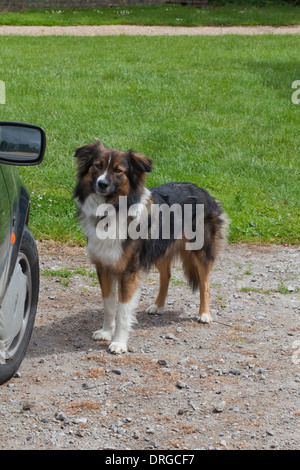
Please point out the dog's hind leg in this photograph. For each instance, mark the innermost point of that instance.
(164, 268)
(109, 296)
(203, 273)
(128, 299)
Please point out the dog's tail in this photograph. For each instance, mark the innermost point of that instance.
(216, 231)
(222, 231)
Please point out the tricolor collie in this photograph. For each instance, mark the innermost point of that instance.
(114, 205)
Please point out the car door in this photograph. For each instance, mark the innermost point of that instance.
(5, 229)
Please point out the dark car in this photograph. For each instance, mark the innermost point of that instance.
(20, 144)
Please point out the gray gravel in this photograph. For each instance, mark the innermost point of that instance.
(135, 30)
(231, 385)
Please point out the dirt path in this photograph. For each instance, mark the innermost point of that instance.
(231, 385)
(132, 30)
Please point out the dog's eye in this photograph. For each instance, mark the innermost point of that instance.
(99, 165)
(117, 170)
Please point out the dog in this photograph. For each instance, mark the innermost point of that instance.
(109, 180)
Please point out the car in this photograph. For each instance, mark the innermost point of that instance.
(20, 144)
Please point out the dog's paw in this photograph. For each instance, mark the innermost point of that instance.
(117, 347)
(154, 309)
(102, 335)
(205, 318)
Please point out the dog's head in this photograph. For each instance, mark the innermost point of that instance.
(110, 172)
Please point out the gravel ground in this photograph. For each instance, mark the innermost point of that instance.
(231, 385)
(132, 30)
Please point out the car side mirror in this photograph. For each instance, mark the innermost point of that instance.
(21, 144)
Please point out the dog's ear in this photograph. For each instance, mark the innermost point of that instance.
(138, 166)
(86, 154)
(139, 162)
(101, 146)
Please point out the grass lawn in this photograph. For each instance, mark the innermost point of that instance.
(216, 111)
(237, 13)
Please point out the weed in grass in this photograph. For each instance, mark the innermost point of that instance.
(62, 275)
(80, 271)
(254, 289)
(282, 289)
(178, 282)
(94, 277)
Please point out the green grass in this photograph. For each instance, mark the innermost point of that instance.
(234, 13)
(215, 111)
(64, 275)
(281, 290)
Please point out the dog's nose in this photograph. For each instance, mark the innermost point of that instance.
(102, 184)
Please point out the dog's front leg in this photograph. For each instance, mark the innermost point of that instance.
(108, 285)
(128, 299)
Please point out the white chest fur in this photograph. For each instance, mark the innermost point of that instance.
(106, 236)
(100, 247)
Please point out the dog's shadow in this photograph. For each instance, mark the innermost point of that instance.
(74, 332)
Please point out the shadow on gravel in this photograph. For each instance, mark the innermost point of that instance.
(74, 332)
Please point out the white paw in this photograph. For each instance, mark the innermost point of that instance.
(118, 348)
(154, 309)
(205, 318)
(102, 335)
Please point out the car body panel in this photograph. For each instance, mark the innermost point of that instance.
(14, 207)
(5, 228)
(20, 144)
